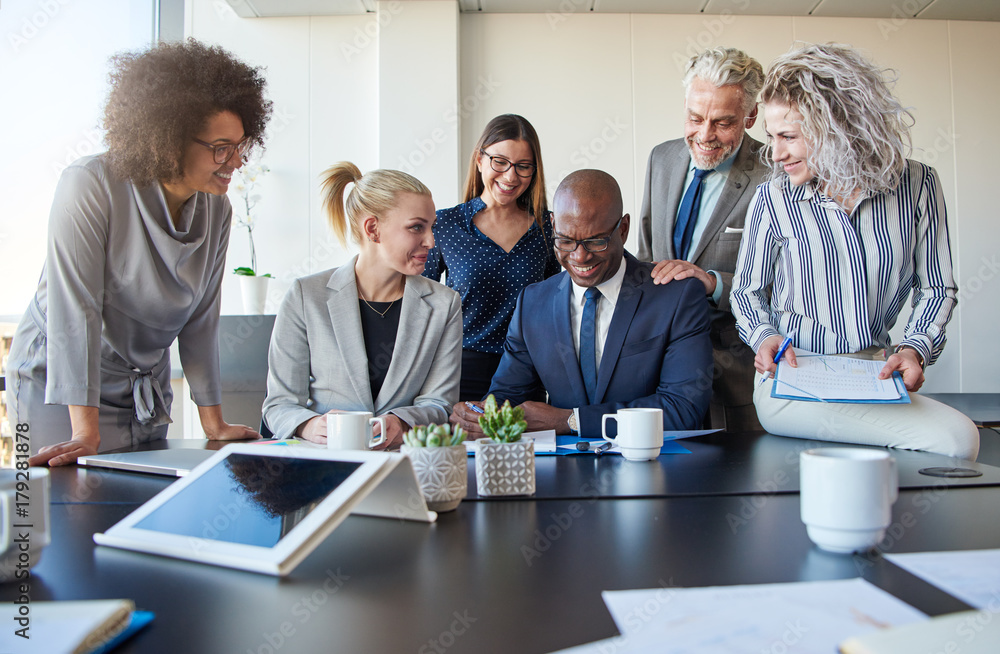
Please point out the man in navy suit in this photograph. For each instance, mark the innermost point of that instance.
(650, 343)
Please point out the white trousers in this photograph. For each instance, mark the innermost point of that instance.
(924, 424)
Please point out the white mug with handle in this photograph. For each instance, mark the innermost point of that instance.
(640, 432)
(351, 430)
(847, 496)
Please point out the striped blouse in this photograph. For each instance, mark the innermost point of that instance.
(836, 282)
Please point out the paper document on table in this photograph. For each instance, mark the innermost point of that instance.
(545, 441)
(836, 379)
(803, 617)
(972, 576)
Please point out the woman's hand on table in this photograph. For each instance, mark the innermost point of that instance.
(314, 429)
(228, 432)
(65, 453)
(85, 439)
(217, 429)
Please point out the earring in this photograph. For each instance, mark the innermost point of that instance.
(373, 239)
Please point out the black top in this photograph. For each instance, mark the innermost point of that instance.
(379, 323)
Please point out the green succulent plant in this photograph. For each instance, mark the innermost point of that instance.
(503, 425)
(434, 436)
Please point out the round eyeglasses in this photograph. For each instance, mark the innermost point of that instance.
(502, 165)
(566, 244)
(224, 152)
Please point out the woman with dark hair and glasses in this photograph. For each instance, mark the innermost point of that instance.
(495, 244)
(136, 252)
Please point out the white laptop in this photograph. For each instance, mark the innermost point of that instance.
(174, 462)
(264, 509)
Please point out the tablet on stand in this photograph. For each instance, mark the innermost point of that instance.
(266, 509)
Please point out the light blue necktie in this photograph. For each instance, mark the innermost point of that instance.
(588, 343)
(687, 215)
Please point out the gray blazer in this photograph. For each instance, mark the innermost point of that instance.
(317, 359)
(717, 250)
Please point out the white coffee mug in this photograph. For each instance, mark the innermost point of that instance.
(351, 430)
(640, 432)
(24, 521)
(847, 496)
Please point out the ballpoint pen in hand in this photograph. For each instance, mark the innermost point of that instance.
(475, 408)
(777, 357)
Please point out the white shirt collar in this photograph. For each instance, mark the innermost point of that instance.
(609, 289)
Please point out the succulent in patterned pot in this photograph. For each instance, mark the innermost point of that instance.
(440, 460)
(505, 463)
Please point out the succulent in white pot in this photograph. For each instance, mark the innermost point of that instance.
(505, 463)
(440, 462)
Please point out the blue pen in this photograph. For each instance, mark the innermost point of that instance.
(474, 407)
(777, 357)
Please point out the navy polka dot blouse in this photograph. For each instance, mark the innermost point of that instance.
(488, 279)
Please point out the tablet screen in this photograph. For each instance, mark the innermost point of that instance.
(251, 500)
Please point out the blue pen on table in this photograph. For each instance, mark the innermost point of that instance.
(475, 408)
(777, 357)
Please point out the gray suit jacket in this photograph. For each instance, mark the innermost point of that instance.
(717, 250)
(317, 359)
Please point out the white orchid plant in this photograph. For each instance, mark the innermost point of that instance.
(246, 180)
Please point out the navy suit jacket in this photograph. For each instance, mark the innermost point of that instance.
(658, 352)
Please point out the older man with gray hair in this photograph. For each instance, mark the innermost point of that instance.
(697, 192)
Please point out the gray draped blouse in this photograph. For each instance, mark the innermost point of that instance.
(121, 281)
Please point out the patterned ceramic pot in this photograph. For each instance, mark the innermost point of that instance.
(443, 473)
(505, 468)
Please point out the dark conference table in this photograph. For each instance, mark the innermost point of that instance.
(521, 575)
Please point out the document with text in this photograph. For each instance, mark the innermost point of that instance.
(821, 378)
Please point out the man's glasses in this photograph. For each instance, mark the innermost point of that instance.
(564, 244)
(224, 152)
(502, 165)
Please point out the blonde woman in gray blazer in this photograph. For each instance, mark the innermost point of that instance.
(372, 335)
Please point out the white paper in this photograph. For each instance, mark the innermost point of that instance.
(972, 576)
(545, 441)
(837, 378)
(803, 617)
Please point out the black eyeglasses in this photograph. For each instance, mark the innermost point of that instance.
(564, 244)
(223, 153)
(502, 165)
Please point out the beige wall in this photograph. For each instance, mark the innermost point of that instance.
(602, 90)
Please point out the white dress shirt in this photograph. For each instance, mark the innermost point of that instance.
(605, 310)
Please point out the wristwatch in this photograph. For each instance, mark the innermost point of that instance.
(571, 421)
(919, 357)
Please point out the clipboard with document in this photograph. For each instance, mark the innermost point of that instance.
(825, 378)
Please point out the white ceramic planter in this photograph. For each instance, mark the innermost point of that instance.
(443, 473)
(505, 468)
(254, 292)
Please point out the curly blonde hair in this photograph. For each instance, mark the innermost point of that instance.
(162, 96)
(858, 132)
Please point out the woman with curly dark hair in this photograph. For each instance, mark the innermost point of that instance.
(136, 250)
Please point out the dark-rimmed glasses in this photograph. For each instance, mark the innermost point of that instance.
(224, 152)
(566, 244)
(502, 165)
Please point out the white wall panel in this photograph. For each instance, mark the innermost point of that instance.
(569, 75)
(975, 51)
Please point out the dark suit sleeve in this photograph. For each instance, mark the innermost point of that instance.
(516, 378)
(645, 252)
(685, 385)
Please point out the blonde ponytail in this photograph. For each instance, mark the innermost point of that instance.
(373, 194)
